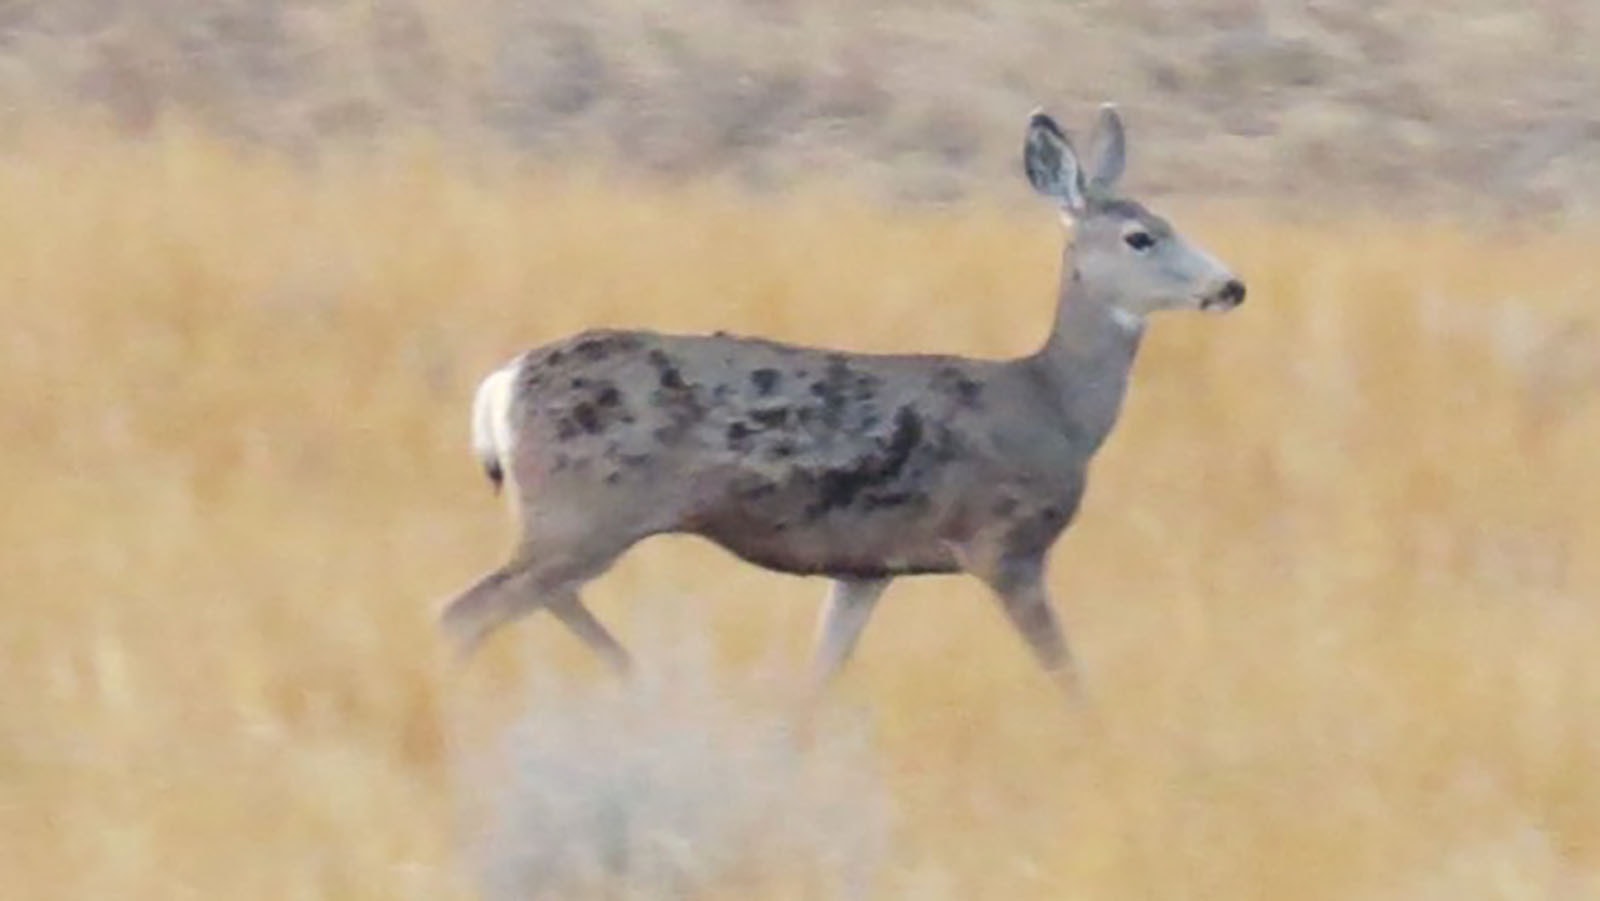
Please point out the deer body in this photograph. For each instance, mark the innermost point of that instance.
(858, 467)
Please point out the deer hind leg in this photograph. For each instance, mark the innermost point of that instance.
(568, 608)
(492, 601)
(540, 575)
(844, 615)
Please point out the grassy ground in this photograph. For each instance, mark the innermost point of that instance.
(1333, 586)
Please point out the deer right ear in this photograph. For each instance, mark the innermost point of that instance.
(1052, 164)
(1109, 149)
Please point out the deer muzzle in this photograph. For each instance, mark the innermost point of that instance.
(1226, 296)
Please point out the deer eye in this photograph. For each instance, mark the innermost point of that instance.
(1139, 240)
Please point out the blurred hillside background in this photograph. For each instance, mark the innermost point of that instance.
(1480, 104)
(1334, 586)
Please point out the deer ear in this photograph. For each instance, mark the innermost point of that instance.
(1052, 164)
(1109, 149)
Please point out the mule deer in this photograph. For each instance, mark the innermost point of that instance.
(858, 467)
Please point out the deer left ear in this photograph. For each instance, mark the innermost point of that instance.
(1109, 149)
(1052, 165)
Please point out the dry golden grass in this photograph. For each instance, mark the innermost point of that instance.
(1334, 586)
(908, 98)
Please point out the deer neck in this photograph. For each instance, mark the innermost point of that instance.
(1087, 359)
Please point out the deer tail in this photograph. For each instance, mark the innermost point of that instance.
(492, 434)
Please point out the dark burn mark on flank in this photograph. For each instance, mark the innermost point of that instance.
(604, 408)
(773, 418)
(608, 396)
(841, 383)
(758, 489)
(597, 347)
(839, 488)
(890, 500)
(633, 461)
(592, 349)
(531, 378)
(680, 401)
(740, 433)
(611, 404)
(765, 380)
(667, 373)
(586, 418)
(958, 386)
(545, 365)
(683, 410)
(946, 445)
(542, 367)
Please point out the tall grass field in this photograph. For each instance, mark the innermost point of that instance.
(1335, 588)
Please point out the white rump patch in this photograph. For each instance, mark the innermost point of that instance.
(492, 435)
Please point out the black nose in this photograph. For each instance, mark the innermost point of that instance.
(1232, 293)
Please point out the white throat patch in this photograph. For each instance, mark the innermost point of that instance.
(1128, 322)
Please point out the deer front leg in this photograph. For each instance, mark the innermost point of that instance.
(1019, 587)
(844, 615)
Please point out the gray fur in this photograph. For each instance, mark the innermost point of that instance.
(858, 467)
